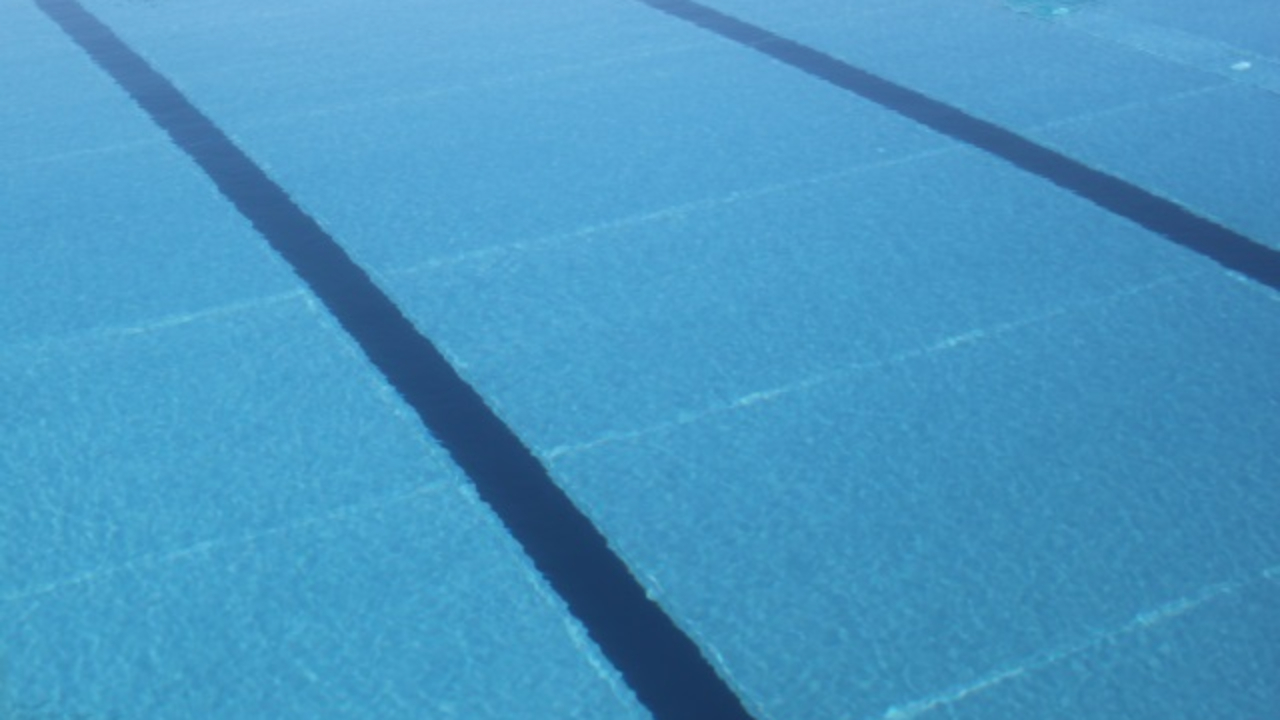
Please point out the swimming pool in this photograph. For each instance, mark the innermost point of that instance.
(623, 359)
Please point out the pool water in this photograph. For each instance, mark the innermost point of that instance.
(639, 358)
(1047, 8)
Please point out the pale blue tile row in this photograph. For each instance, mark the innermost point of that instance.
(250, 61)
(140, 442)
(1002, 66)
(1247, 24)
(211, 505)
(1204, 661)
(1213, 151)
(898, 537)
(232, 517)
(406, 167)
(877, 418)
(636, 326)
(388, 609)
(49, 94)
(1195, 50)
(127, 238)
(107, 226)
(1092, 83)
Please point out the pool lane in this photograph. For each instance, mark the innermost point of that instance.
(662, 665)
(229, 517)
(651, 320)
(1164, 217)
(212, 504)
(1124, 87)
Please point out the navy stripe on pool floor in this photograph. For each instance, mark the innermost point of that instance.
(1163, 217)
(658, 661)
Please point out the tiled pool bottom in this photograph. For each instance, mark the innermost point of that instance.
(881, 444)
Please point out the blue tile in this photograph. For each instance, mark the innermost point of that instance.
(232, 516)
(925, 525)
(1212, 152)
(139, 441)
(890, 428)
(1207, 654)
(1002, 66)
(1249, 24)
(409, 605)
(57, 104)
(122, 239)
(580, 337)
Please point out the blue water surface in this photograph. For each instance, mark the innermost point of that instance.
(891, 428)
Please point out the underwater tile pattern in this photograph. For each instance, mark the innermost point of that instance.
(890, 428)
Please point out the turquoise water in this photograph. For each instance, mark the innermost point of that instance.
(1048, 8)
(888, 427)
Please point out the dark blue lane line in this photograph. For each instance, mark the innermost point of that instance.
(661, 664)
(1164, 217)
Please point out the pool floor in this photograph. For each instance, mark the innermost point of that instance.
(639, 358)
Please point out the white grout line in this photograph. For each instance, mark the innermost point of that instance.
(521, 78)
(587, 232)
(222, 543)
(940, 346)
(1143, 621)
(151, 325)
(590, 232)
(1127, 107)
(1238, 65)
(157, 140)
